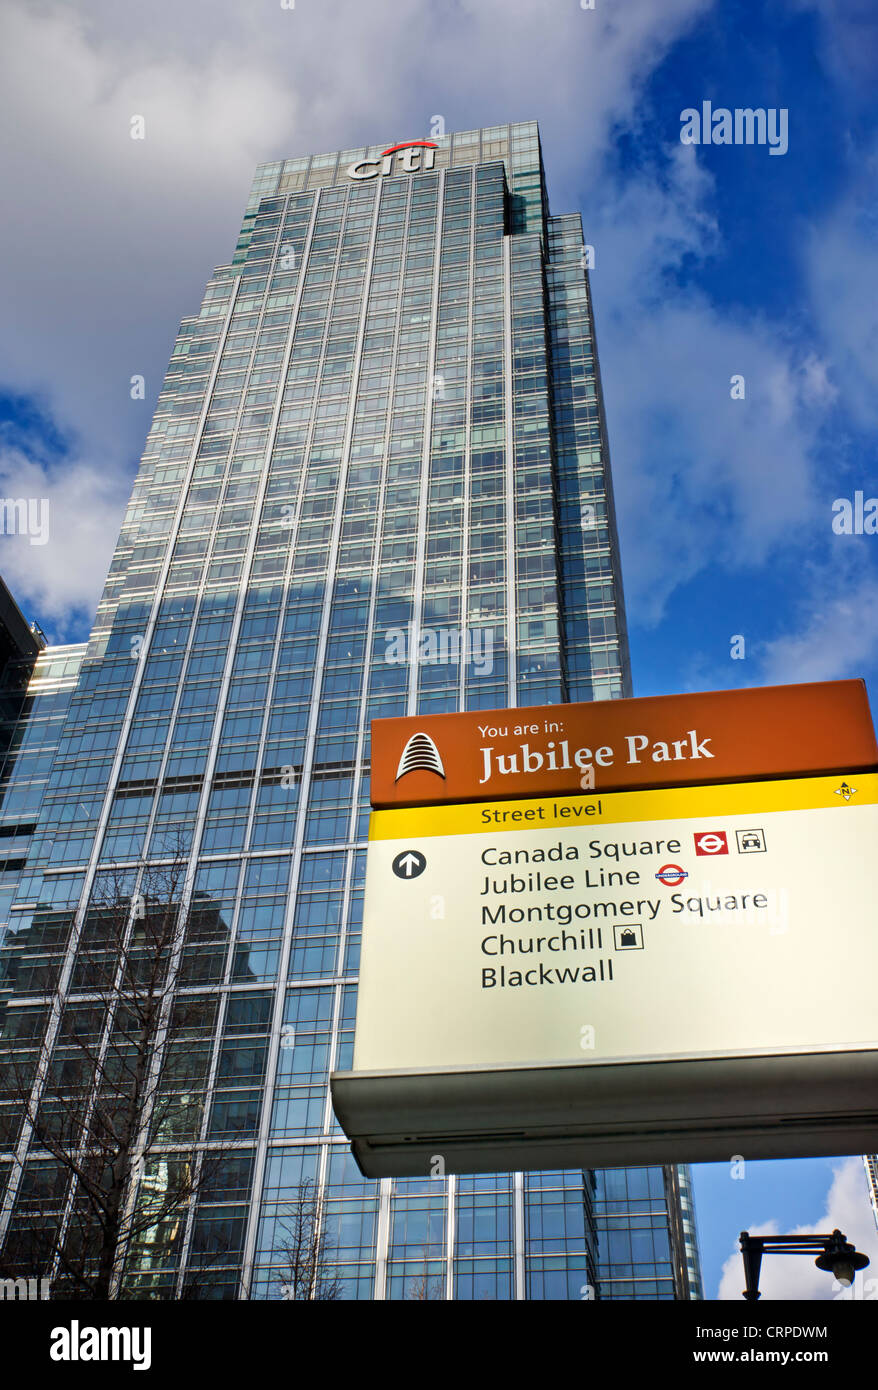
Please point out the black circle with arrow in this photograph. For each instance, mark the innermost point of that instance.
(410, 863)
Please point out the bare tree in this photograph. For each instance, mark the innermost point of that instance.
(423, 1288)
(113, 1101)
(304, 1270)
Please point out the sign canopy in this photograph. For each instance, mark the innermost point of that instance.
(620, 976)
(617, 745)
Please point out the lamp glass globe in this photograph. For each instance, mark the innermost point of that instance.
(844, 1272)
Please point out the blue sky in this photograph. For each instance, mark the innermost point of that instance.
(710, 261)
(782, 571)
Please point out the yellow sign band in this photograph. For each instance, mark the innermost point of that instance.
(613, 808)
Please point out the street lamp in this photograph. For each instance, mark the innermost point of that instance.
(834, 1254)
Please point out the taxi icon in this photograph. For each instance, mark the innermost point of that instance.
(750, 841)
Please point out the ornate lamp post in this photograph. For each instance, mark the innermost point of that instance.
(834, 1254)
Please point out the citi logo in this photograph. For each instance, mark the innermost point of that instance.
(420, 755)
(407, 156)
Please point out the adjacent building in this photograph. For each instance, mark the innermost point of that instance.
(376, 483)
(870, 1163)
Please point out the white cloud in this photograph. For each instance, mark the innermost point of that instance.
(841, 250)
(796, 1277)
(848, 40)
(841, 260)
(113, 239)
(834, 632)
(701, 478)
(63, 576)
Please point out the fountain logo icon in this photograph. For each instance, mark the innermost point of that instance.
(420, 755)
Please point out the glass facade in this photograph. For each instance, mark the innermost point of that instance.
(870, 1163)
(384, 422)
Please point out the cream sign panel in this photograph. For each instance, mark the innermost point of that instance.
(686, 922)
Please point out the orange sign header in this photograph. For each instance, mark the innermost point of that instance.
(616, 745)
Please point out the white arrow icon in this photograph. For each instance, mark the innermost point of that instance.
(409, 864)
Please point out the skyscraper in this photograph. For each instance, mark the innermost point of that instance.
(376, 483)
(870, 1163)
